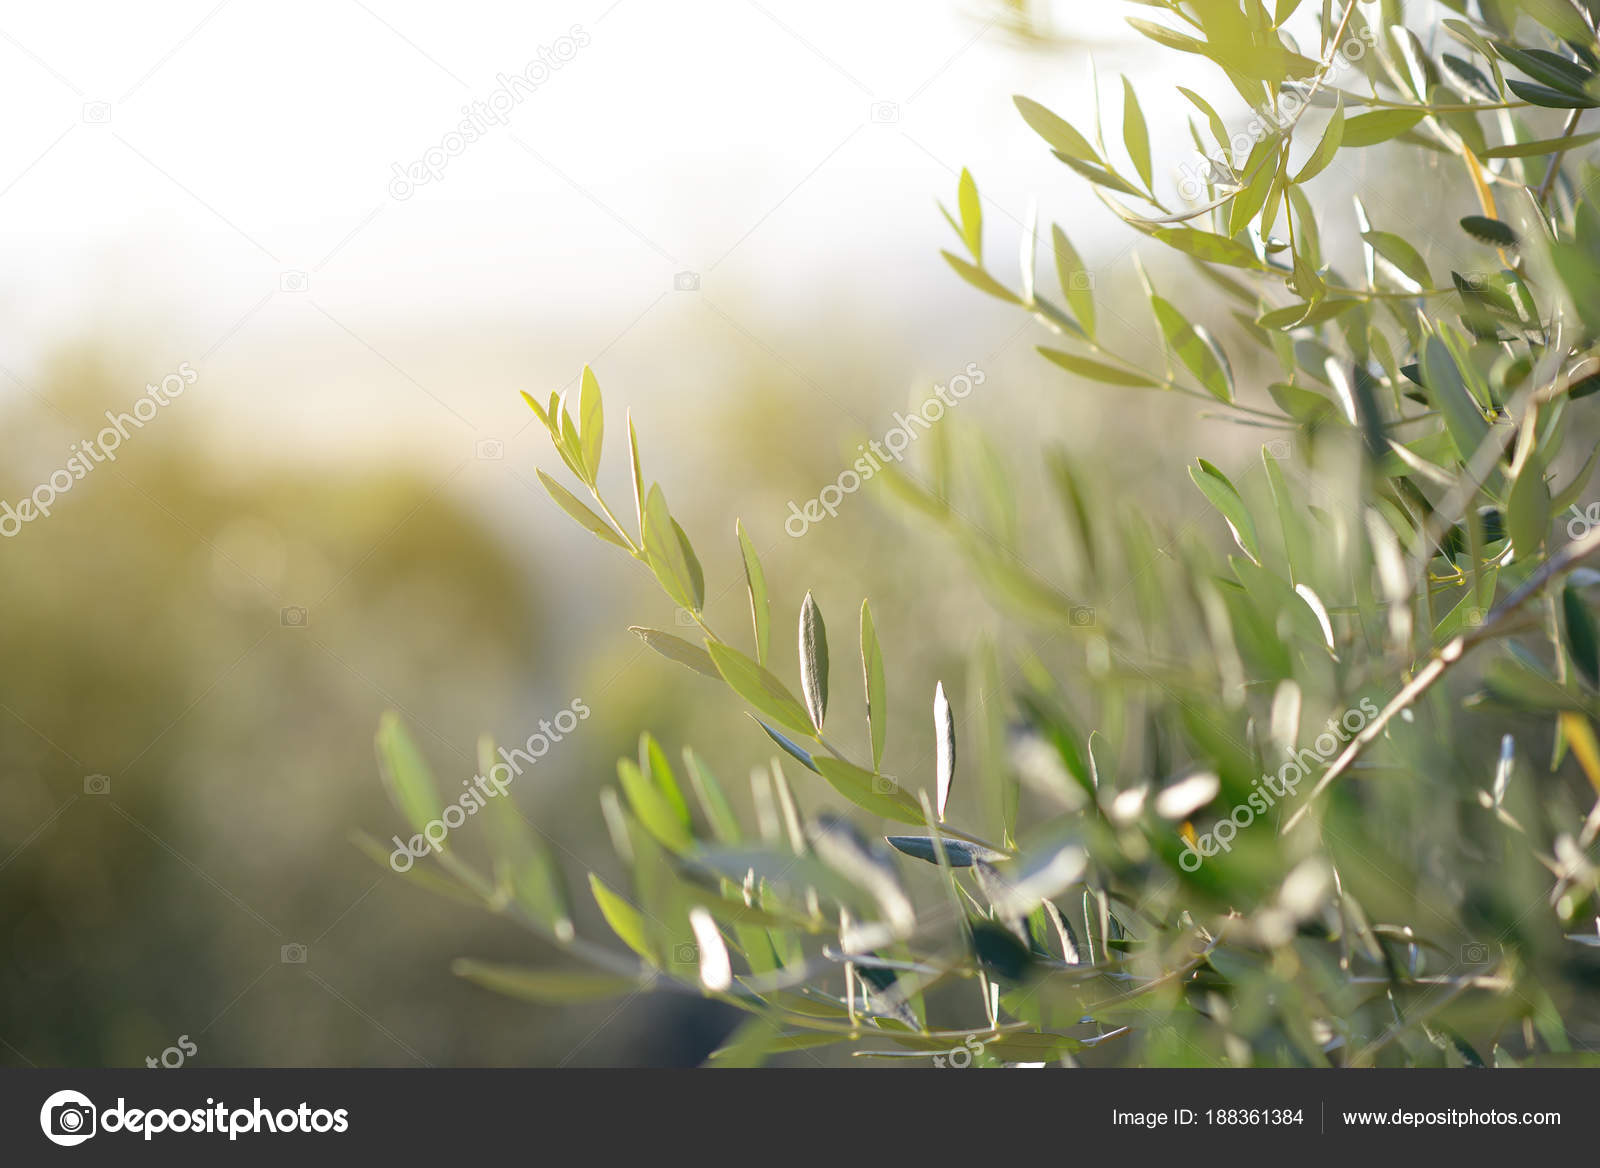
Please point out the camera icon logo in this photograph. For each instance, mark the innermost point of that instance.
(97, 784)
(1081, 616)
(1278, 448)
(1476, 281)
(96, 113)
(883, 113)
(883, 785)
(293, 282)
(685, 953)
(68, 1118)
(490, 449)
(292, 617)
(683, 618)
(686, 282)
(293, 954)
(1475, 953)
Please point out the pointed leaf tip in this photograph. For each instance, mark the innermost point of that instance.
(944, 729)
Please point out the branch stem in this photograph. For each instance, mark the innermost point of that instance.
(1558, 565)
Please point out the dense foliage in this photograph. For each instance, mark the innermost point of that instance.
(1321, 793)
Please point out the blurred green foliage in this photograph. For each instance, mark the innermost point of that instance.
(1313, 783)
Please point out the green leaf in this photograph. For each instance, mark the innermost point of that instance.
(712, 798)
(1135, 134)
(1291, 520)
(1542, 146)
(1301, 404)
(580, 511)
(406, 773)
(756, 584)
(971, 215)
(592, 419)
(653, 810)
(813, 661)
(1583, 640)
(1192, 350)
(876, 688)
(1225, 497)
(1167, 37)
(653, 761)
(1332, 138)
(760, 688)
(522, 861)
(874, 792)
(638, 473)
(1528, 511)
(1555, 72)
(1261, 173)
(626, 922)
(538, 410)
(958, 853)
(1405, 258)
(1547, 98)
(664, 550)
(1379, 126)
(1218, 130)
(1573, 491)
(1095, 370)
(697, 576)
(789, 746)
(570, 445)
(1059, 134)
(1102, 176)
(1077, 284)
(1560, 17)
(1306, 313)
(550, 987)
(1509, 681)
(1212, 248)
(1448, 392)
(677, 649)
(756, 1038)
(1581, 279)
(1028, 259)
(979, 278)
(1306, 282)
(1490, 231)
(944, 742)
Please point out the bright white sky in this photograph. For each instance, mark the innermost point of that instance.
(243, 140)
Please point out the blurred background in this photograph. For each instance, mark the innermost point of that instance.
(727, 208)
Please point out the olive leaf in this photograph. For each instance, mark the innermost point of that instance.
(814, 661)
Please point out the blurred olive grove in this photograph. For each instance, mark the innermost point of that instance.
(198, 651)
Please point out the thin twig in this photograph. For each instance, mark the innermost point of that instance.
(1559, 564)
(1555, 162)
